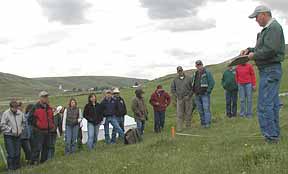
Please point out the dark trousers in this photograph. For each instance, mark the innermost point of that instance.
(26, 146)
(41, 143)
(79, 138)
(13, 148)
(159, 121)
(51, 148)
(231, 103)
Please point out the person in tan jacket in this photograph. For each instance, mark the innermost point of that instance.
(140, 110)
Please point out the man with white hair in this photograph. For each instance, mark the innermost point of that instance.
(268, 54)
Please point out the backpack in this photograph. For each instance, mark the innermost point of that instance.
(132, 136)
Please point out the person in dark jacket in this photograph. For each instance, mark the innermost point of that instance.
(42, 121)
(26, 135)
(110, 107)
(12, 124)
(120, 113)
(268, 54)
(160, 100)
(231, 91)
(202, 85)
(93, 113)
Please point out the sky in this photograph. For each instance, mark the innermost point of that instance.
(132, 38)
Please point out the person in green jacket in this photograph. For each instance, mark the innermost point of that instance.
(202, 86)
(268, 54)
(231, 91)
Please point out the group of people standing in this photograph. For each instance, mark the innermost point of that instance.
(36, 129)
(240, 79)
(193, 92)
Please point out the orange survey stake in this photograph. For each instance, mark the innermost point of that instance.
(172, 132)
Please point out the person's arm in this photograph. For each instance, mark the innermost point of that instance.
(223, 80)
(80, 116)
(189, 87)
(253, 77)
(64, 120)
(153, 101)
(4, 123)
(236, 75)
(125, 108)
(135, 108)
(211, 82)
(168, 99)
(173, 88)
(23, 122)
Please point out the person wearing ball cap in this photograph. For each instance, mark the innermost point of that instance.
(183, 94)
(268, 54)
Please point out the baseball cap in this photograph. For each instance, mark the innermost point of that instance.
(199, 62)
(259, 9)
(43, 94)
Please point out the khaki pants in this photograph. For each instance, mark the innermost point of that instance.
(185, 108)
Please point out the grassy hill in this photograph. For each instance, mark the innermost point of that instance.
(229, 146)
(16, 86)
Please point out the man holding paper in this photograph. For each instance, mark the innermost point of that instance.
(268, 54)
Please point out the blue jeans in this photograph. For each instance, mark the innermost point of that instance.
(26, 146)
(245, 94)
(120, 121)
(231, 102)
(140, 125)
(203, 106)
(71, 135)
(268, 101)
(113, 121)
(93, 131)
(13, 148)
(159, 120)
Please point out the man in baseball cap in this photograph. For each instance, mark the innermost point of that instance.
(43, 94)
(268, 54)
(182, 91)
(260, 9)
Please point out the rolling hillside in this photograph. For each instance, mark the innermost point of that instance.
(16, 86)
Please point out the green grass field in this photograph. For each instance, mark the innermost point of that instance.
(230, 146)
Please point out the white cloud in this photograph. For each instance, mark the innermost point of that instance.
(121, 39)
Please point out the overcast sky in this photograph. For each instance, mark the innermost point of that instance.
(131, 38)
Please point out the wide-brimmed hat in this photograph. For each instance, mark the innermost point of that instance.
(116, 91)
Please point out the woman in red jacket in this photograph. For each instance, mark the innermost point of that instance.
(160, 100)
(246, 80)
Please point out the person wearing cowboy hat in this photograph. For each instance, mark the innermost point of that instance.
(110, 110)
(160, 100)
(121, 111)
(268, 54)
